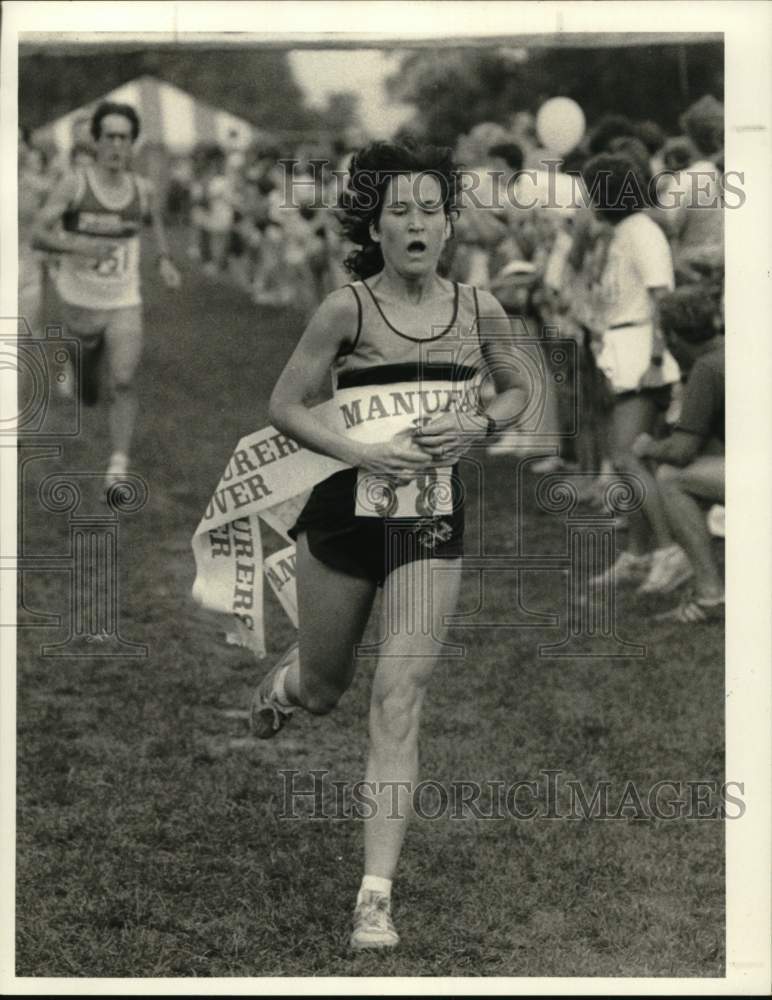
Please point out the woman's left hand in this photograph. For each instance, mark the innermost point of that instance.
(448, 436)
(651, 378)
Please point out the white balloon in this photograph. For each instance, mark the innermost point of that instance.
(560, 124)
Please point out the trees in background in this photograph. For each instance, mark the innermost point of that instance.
(255, 84)
(454, 89)
(451, 89)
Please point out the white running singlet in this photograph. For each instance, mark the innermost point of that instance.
(112, 283)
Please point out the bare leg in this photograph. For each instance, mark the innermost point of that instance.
(403, 671)
(632, 416)
(123, 339)
(704, 478)
(218, 242)
(333, 609)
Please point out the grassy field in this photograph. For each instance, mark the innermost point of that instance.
(149, 834)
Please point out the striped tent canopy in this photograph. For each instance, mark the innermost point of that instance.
(170, 117)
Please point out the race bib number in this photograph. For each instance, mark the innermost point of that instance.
(428, 495)
(114, 266)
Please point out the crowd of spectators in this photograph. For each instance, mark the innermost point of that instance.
(261, 217)
(632, 270)
(617, 245)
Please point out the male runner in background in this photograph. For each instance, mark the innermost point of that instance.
(93, 219)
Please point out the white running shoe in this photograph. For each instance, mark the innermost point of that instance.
(267, 714)
(670, 567)
(717, 521)
(118, 467)
(373, 927)
(550, 463)
(628, 568)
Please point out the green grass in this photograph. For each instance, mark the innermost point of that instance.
(149, 842)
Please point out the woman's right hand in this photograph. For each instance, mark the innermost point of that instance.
(400, 457)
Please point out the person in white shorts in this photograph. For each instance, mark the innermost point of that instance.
(93, 219)
(633, 355)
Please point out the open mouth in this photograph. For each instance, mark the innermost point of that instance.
(416, 246)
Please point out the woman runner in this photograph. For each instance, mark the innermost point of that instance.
(378, 333)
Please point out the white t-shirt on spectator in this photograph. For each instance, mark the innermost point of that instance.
(639, 259)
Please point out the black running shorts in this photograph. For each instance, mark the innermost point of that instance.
(372, 547)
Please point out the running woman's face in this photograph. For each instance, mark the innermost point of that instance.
(413, 227)
(114, 142)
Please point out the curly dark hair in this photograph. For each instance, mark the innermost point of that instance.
(370, 171)
(617, 184)
(630, 146)
(114, 108)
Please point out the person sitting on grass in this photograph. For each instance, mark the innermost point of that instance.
(690, 463)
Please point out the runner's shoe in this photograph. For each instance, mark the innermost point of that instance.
(267, 713)
(118, 467)
(373, 927)
(670, 567)
(693, 611)
(550, 463)
(628, 568)
(717, 520)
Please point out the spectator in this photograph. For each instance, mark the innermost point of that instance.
(512, 275)
(690, 461)
(178, 201)
(637, 272)
(677, 154)
(482, 225)
(695, 216)
(199, 248)
(653, 138)
(579, 252)
(628, 145)
(218, 219)
(273, 285)
(34, 185)
(609, 127)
